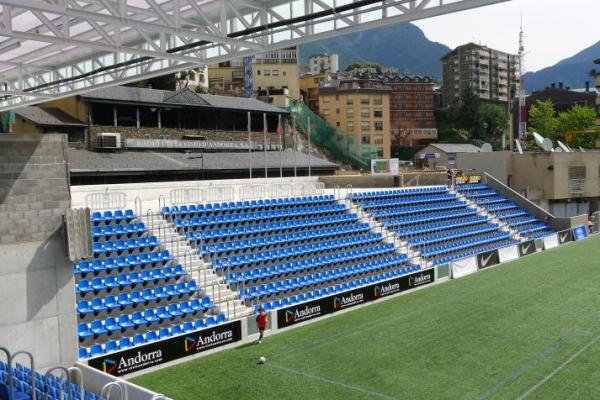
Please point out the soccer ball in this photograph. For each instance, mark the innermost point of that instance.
(262, 360)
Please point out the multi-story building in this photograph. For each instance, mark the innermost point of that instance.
(359, 110)
(227, 78)
(274, 77)
(195, 79)
(309, 88)
(323, 63)
(490, 74)
(412, 109)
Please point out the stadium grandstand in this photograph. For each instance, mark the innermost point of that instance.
(140, 244)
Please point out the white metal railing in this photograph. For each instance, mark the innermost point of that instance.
(187, 196)
(220, 193)
(106, 200)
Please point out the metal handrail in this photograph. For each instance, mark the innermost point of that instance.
(67, 378)
(77, 372)
(107, 390)
(31, 365)
(11, 394)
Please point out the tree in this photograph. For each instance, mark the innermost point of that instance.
(354, 65)
(543, 120)
(469, 115)
(495, 124)
(577, 118)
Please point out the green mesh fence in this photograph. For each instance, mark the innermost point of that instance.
(7, 118)
(340, 145)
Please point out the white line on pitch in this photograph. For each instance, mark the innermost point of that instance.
(560, 368)
(335, 383)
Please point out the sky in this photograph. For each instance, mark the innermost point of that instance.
(554, 29)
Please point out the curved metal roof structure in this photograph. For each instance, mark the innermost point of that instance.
(56, 48)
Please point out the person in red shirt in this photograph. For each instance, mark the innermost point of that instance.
(261, 323)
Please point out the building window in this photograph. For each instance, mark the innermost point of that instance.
(283, 73)
(378, 113)
(349, 100)
(337, 123)
(365, 127)
(325, 99)
(349, 113)
(364, 113)
(337, 110)
(364, 99)
(365, 139)
(350, 126)
(378, 100)
(326, 112)
(379, 152)
(258, 72)
(378, 126)
(577, 177)
(267, 72)
(378, 139)
(275, 72)
(337, 97)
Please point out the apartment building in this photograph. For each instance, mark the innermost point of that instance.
(359, 110)
(490, 74)
(318, 63)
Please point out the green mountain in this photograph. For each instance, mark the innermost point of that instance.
(403, 46)
(573, 71)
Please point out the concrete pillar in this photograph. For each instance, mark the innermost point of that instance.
(159, 120)
(137, 117)
(114, 115)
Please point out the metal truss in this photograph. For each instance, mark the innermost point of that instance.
(51, 49)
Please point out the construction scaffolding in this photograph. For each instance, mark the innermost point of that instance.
(340, 145)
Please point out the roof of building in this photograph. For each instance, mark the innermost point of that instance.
(475, 46)
(47, 116)
(456, 147)
(183, 97)
(85, 161)
(333, 85)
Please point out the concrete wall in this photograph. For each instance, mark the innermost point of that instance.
(495, 163)
(37, 293)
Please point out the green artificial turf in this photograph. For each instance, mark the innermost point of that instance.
(529, 328)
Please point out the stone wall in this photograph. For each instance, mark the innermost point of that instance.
(37, 293)
(172, 133)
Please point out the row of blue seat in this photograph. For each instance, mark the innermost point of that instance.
(120, 263)
(148, 296)
(330, 290)
(390, 212)
(257, 258)
(269, 228)
(531, 228)
(109, 216)
(319, 278)
(371, 204)
(118, 230)
(442, 237)
(47, 387)
(473, 242)
(109, 283)
(137, 320)
(435, 216)
(275, 271)
(294, 237)
(511, 214)
(501, 207)
(442, 226)
(520, 221)
(245, 205)
(150, 336)
(120, 246)
(470, 253)
(256, 216)
(479, 193)
(540, 234)
(490, 200)
(397, 193)
(471, 186)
